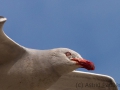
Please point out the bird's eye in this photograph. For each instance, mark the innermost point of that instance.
(68, 54)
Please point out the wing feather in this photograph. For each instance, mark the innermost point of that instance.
(9, 50)
(77, 80)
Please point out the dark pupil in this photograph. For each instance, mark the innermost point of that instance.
(68, 53)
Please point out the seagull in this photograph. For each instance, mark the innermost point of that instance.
(23, 68)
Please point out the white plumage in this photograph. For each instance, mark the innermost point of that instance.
(29, 69)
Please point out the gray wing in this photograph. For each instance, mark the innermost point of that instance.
(9, 50)
(84, 81)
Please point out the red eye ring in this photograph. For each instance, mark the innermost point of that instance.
(68, 54)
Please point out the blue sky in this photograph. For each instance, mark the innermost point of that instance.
(89, 27)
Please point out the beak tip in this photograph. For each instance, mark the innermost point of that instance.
(85, 64)
(89, 65)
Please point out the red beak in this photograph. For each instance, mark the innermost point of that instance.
(84, 63)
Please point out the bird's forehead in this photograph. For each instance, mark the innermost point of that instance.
(76, 55)
(73, 53)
